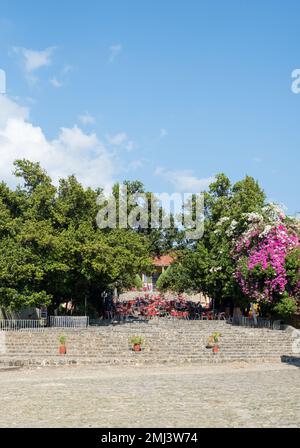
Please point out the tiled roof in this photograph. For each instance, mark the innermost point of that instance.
(164, 260)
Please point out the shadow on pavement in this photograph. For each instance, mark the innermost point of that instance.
(292, 360)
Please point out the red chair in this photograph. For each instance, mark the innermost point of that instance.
(151, 314)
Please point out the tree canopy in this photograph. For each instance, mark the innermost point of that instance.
(52, 249)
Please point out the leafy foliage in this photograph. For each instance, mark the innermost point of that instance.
(209, 265)
(286, 306)
(138, 282)
(51, 250)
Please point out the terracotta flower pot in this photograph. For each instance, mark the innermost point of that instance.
(137, 347)
(215, 349)
(62, 350)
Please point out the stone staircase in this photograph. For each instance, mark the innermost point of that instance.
(166, 342)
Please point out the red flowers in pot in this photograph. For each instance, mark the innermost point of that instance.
(62, 347)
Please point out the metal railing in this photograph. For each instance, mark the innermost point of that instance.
(42, 324)
(259, 322)
(69, 321)
(22, 324)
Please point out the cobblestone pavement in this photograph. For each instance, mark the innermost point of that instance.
(238, 395)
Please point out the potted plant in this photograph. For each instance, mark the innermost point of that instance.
(62, 347)
(210, 342)
(216, 337)
(136, 342)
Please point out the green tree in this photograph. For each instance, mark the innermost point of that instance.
(209, 265)
(51, 250)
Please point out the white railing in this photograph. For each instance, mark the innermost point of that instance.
(259, 322)
(69, 321)
(42, 324)
(22, 324)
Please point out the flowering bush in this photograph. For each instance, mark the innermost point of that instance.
(268, 262)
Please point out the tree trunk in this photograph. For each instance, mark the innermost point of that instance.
(227, 312)
(237, 314)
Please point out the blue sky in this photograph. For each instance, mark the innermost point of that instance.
(170, 92)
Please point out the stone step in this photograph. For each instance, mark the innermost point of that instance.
(152, 353)
(167, 336)
(165, 342)
(103, 331)
(162, 341)
(152, 346)
(155, 356)
(115, 340)
(147, 338)
(132, 361)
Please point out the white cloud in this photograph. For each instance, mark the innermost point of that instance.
(58, 81)
(75, 138)
(121, 139)
(114, 51)
(117, 139)
(163, 133)
(136, 164)
(71, 152)
(86, 119)
(66, 69)
(33, 59)
(55, 82)
(2, 81)
(130, 145)
(9, 108)
(184, 180)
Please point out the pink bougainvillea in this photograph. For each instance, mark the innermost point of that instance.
(261, 262)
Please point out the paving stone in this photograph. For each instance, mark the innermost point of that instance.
(235, 395)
